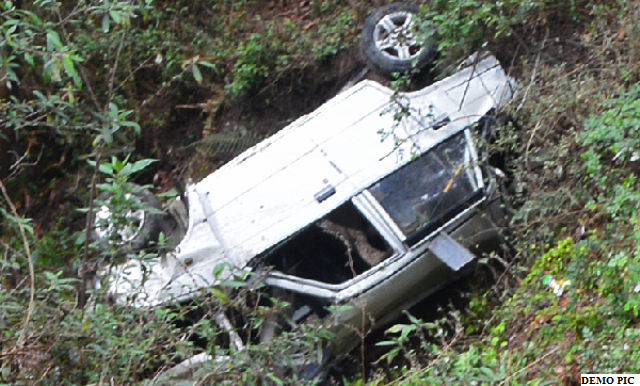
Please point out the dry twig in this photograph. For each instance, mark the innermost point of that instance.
(27, 248)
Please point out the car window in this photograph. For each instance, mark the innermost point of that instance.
(431, 189)
(333, 250)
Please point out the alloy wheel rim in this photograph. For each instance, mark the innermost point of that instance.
(394, 37)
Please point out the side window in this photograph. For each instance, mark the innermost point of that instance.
(333, 250)
(430, 190)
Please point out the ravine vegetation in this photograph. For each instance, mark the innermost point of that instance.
(91, 91)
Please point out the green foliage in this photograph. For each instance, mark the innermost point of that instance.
(479, 364)
(614, 132)
(462, 26)
(113, 121)
(401, 343)
(610, 147)
(120, 172)
(124, 202)
(254, 59)
(336, 35)
(281, 44)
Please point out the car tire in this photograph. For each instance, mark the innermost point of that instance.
(388, 43)
(147, 223)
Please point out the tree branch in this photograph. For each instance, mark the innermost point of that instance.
(32, 287)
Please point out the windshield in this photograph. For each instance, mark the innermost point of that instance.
(430, 190)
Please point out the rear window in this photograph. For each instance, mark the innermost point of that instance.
(430, 190)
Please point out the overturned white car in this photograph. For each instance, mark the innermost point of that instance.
(373, 201)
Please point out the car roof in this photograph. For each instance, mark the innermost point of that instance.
(270, 191)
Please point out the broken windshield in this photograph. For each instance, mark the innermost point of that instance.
(430, 190)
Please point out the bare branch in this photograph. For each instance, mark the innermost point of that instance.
(27, 248)
(112, 78)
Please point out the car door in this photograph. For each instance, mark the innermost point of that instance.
(414, 208)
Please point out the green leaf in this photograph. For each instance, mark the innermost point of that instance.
(119, 165)
(53, 70)
(391, 354)
(344, 308)
(108, 187)
(396, 328)
(136, 127)
(28, 228)
(106, 169)
(207, 64)
(197, 75)
(143, 9)
(52, 276)
(9, 32)
(115, 126)
(115, 16)
(71, 71)
(412, 318)
(218, 269)
(113, 110)
(40, 95)
(53, 41)
(8, 5)
(76, 58)
(106, 135)
(81, 238)
(233, 283)
(140, 165)
(219, 295)
(106, 21)
(171, 193)
(405, 333)
(387, 343)
(491, 376)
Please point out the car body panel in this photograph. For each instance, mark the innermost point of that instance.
(412, 277)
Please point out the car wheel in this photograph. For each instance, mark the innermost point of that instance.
(136, 229)
(389, 42)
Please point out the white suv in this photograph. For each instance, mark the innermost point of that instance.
(373, 201)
